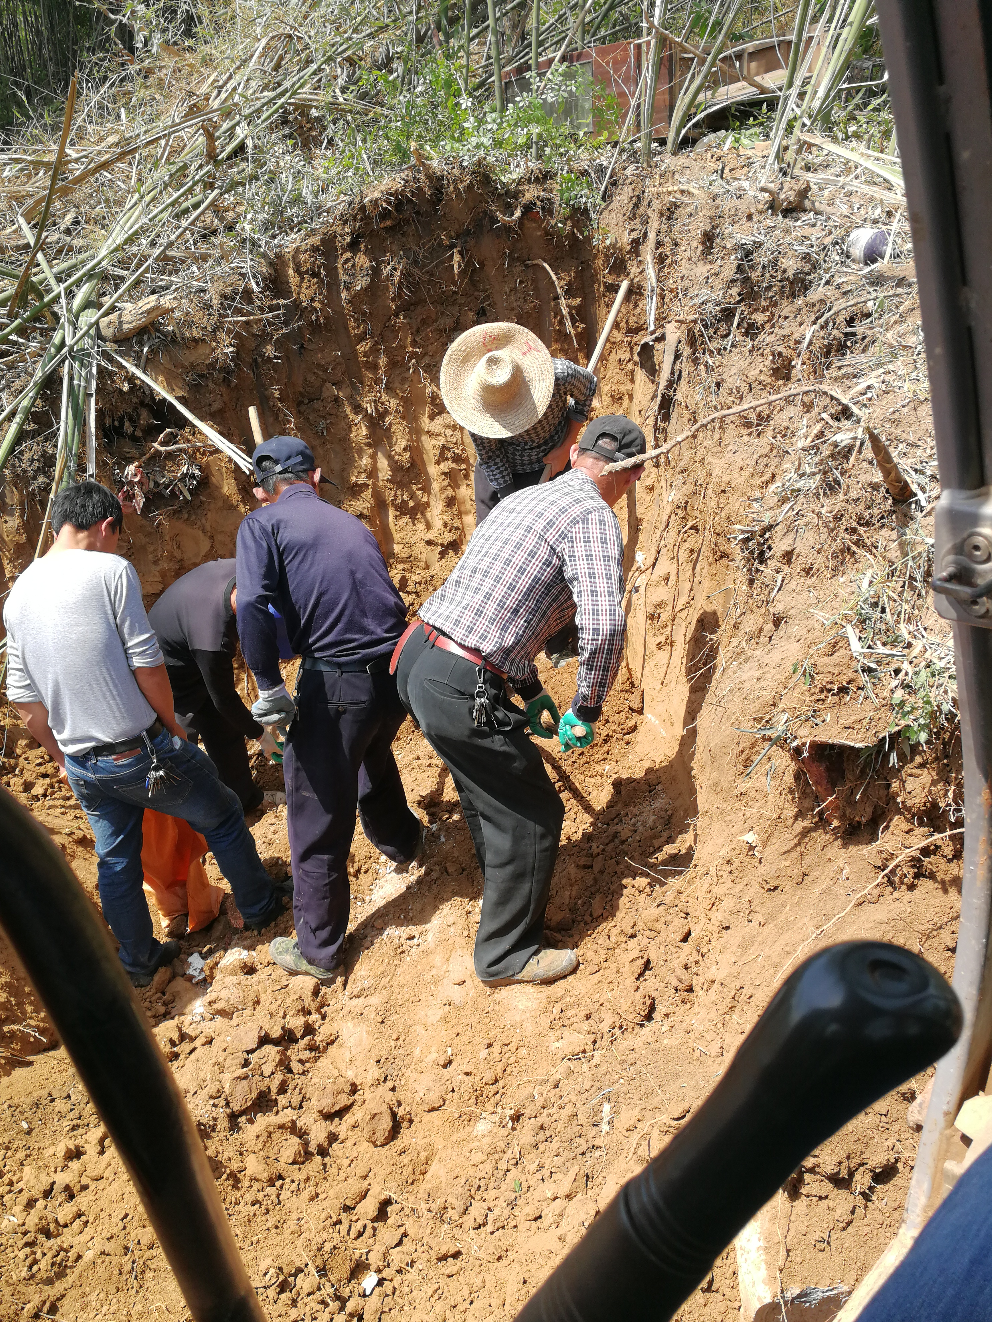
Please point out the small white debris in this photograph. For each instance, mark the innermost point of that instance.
(605, 1126)
(237, 960)
(274, 798)
(195, 965)
(26, 1127)
(369, 1284)
(12, 1218)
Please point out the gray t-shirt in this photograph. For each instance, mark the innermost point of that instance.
(76, 629)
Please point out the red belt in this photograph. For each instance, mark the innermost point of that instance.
(446, 645)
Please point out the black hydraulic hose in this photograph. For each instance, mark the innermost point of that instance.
(850, 1024)
(937, 53)
(69, 958)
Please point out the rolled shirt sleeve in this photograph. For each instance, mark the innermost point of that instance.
(592, 554)
(137, 635)
(581, 385)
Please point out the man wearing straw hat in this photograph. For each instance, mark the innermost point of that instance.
(521, 407)
(541, 556)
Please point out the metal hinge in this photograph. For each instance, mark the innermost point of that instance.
(963, 556)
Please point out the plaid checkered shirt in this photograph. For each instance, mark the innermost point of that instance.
(543, 555)
(571, 397)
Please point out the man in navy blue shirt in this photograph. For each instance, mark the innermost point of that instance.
(323, 571)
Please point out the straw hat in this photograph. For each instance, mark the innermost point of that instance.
(497, 379)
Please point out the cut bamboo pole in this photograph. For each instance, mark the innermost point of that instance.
(70, 106)
(57, 350)
(611, 321)
(215, 438)
(468, 44)
(497, 70)
(597, 353)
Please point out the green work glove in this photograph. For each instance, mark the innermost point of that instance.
(535, 708)
(573, 733)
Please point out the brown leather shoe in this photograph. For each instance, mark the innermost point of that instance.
(546, 966)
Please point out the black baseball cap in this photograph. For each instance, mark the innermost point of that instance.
(291, 455)
(613, 438)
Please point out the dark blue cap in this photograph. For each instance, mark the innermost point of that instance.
(291, 455)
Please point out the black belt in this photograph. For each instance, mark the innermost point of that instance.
(125, 745)
(347, 667)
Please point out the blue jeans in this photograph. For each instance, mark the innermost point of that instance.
(113, 795)
(947, 1275)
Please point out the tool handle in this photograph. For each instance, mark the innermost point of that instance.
(597, 353)
(256, 426)
(850, 1024)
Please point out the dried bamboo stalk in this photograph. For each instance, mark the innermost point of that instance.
(215, 438)
(70, 106)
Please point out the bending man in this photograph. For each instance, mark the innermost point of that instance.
(196, 626)
(542, 556)
(86, 674)
(323, 571)
(521, 407)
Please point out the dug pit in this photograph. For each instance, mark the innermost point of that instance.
(744, 803)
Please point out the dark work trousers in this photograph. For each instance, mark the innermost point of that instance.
(338, 758)
(224, 745)
(512, 809)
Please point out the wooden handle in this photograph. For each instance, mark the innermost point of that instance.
(610, 323)
(256, 426)
(598, 351)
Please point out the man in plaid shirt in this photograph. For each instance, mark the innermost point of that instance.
(507, 465)
(544, 555)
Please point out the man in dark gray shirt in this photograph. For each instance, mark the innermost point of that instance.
(87, 677)
(196, 626)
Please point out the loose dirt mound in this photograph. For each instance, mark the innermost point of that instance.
(452, 1140)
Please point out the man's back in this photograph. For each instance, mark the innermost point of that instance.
(542, 553)
(76, 628)
(323, 570)
(195, 614)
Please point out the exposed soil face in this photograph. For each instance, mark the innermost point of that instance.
(451, 1139)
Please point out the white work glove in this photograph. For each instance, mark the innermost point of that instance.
(270, 745)
(274, 707)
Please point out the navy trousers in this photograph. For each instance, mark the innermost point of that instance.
(338, 758)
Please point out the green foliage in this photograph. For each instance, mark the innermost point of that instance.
(863, 121)
(895, 655)
(41, 44)
(437, 119)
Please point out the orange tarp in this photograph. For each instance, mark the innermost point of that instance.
(171, 858)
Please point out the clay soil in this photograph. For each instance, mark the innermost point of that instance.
(453, 1140)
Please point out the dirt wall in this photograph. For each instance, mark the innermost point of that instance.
(692, 875)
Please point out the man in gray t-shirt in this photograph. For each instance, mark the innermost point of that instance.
(87, 676)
